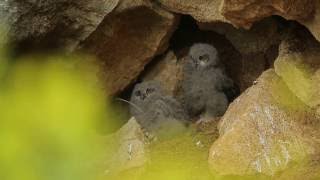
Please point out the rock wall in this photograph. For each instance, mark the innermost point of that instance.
(128, 39)
(59, 24)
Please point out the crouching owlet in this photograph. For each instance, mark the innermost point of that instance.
(158, 113)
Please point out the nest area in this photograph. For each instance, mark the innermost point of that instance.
(243, 69)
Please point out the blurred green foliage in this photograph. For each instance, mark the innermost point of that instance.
(49, 110)
(184, 157)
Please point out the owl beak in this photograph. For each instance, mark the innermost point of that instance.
(195, 62)
(202, 63)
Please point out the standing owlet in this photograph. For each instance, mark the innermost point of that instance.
(205, 84)
(155, 111)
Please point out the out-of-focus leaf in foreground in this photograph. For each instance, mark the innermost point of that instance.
(49, 109)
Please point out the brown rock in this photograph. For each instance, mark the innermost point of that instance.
(244, 13)
(252, 66)
(264, 130)
(306, 170)
(126, 148)
(201, 10)
(59, 24)
(314, 24)
(298, 65)
(208, 125)
(128, 39)
(168, 71)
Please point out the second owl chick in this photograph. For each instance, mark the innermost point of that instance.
(155, 111)
(205, 82)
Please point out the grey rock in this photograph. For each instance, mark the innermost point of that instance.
(60, 24)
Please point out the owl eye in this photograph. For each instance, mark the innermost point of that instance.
(204, 58)
(138, 93)
(148, 91)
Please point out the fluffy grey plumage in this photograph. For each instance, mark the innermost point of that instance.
(155, 111)
(205, 82)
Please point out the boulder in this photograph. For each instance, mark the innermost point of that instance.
(298, 65)
(264, 130)
(59, 24)
(243, 13)
(128, 39)
(126, 149)
(314, 24)
(309, 169)
(201, 10)
(168, 71)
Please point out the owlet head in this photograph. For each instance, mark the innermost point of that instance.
(203, 55)
(145, 90)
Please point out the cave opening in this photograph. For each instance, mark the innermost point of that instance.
(241, 66)
(186, 34)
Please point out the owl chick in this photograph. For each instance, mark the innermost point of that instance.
(205, 85)
(156, 112)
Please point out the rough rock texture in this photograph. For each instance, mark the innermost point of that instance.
(298, 65)
(264, 130)
(309, 169)
(244, 13)
(126, 148)
(208, 125)
(258, 39)
(258, 47)
(128, 39)
(201, 10)
(314, 24)
(166, 70)
(60, 24)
